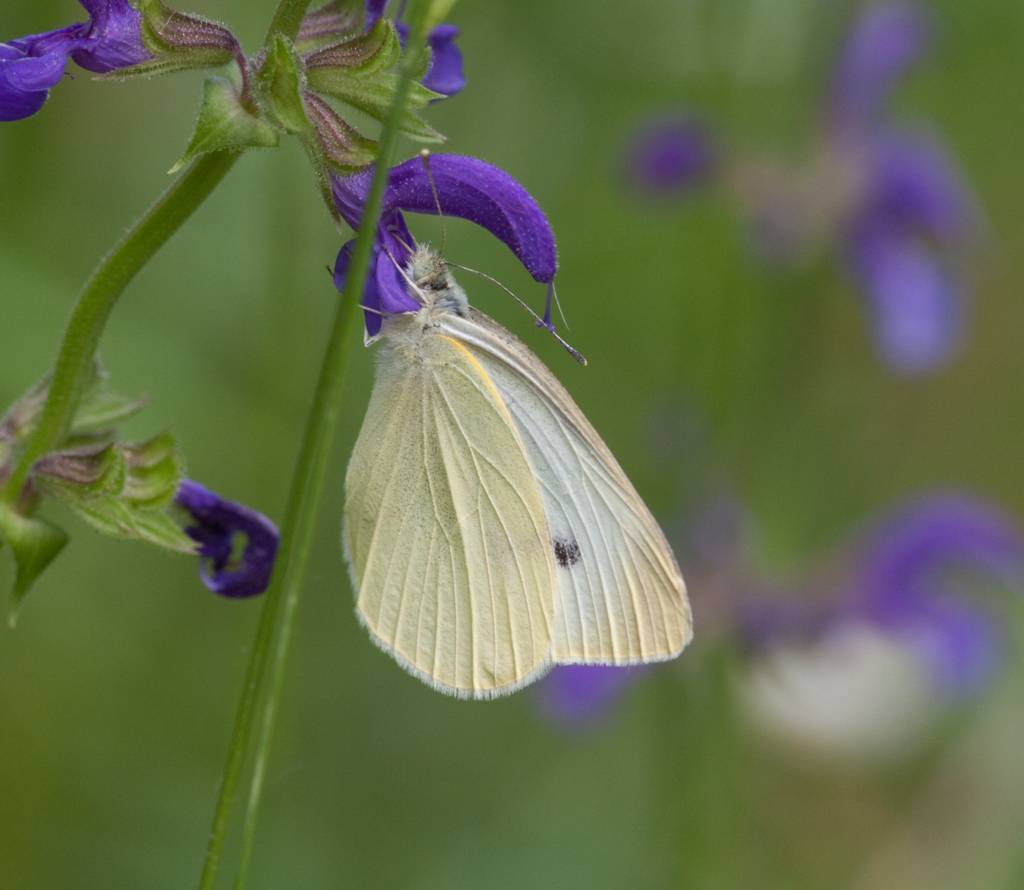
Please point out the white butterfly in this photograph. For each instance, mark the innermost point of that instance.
(489, 531)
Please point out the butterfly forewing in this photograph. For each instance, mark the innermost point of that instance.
(445, 525)
(620, 595)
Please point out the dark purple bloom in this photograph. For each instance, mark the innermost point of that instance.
(223, 528)
(668, 155)
(467, 188)
(577, 695)
(446, 75)
(882, 46)
(917, 568)
(30, 66)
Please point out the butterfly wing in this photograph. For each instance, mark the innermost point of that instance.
(621, 597)
(445, 528)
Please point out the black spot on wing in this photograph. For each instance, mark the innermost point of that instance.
(567, 553)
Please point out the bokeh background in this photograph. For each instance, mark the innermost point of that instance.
(714, 376)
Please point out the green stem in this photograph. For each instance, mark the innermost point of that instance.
(282, 598)
(94, 306)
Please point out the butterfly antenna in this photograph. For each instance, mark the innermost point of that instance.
(405, 275)
(425, 158)
(394, 233)
(550, 328)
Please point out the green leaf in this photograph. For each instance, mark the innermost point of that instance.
(373, 95)
(35, 543)
(281, 83)
(225, 123)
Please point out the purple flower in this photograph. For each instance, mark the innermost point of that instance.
(445, 74)
(912, 577)
(221, 527)
(576, 696)
(916, 568)
(30, 66)
(912, 297)
(881, 47)
(913, 206)
(669, 155)
(467, 188)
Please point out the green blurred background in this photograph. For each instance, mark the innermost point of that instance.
(118, 687)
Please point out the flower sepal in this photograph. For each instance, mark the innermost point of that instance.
(282, 83)
(328, 24)
(360, 56)
(121, 490)
(180, 41)
(225, 123)
(35, 544)
(371, 89)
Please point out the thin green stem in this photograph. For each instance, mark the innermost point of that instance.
(89, 317)
(311, 466)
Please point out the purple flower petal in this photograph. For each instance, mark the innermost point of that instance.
(575, 696)
(466, 188)
(886, 41)
(915, 304)
(960, 644)
(374, 10)
(482, 193)
(916, 184)
(446, 75)
(114, 39)
(913, 569)
(218, 524)
(669, 155)
(30, 66)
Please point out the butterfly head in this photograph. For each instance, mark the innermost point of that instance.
(433, 282)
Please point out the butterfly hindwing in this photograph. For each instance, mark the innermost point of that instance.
(620, 595)
(445, 527)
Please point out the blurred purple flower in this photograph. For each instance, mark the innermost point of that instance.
(30, 66)
(220, 527)
(914, 208)
(880, 49)
(916, 568)
(668, 155)
(912, 297)
(579, 695)
(467, 188)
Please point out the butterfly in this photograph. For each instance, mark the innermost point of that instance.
(489, 531)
